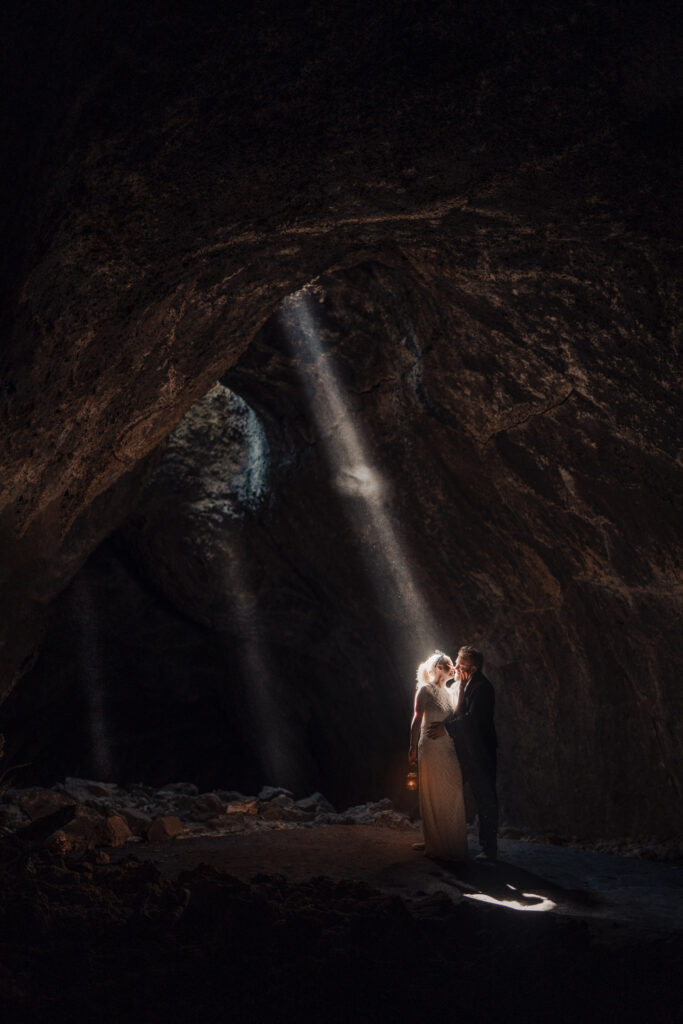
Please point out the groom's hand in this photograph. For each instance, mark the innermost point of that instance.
(436, 730)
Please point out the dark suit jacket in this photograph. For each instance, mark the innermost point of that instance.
(472, 729)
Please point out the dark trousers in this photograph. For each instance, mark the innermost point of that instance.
(482, 780)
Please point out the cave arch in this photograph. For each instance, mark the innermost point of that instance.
(491, 439)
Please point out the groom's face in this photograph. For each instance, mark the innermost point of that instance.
(463, 670)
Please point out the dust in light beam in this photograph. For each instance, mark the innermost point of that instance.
(356, 477)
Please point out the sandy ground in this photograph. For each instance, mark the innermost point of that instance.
(616, 896)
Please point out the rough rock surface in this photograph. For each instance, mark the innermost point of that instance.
(111, 815)
(486, 202)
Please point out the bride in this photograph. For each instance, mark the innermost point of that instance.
(442, 802)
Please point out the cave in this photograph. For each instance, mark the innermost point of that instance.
(334, 337)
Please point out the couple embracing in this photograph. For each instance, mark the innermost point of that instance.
(453, 740)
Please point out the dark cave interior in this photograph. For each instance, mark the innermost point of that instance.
(332, 336)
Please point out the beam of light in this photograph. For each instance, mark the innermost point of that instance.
(90, 657)
(543, 903)
(354, 476)
(272, 732)
(233, 476)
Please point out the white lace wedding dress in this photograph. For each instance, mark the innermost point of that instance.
(442, 801)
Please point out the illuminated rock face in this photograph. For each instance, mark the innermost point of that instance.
(529, 462)
(493, 235)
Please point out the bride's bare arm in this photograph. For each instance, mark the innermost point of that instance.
(416, 724)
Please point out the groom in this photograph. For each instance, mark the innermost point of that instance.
(474, 735)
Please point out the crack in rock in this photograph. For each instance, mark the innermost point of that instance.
(519, 416)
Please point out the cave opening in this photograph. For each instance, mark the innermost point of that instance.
(266, 540)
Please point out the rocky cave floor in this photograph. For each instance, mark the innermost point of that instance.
(148, 905)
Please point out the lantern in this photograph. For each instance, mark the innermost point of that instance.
(411, 779)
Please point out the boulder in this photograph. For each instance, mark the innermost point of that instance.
(83, 790)
(393, 819)
(317, 803)
(270, 792)
(296, 814)
(206, 806)
(59, 843)
(164, 829)
(366, 814)
(38, 803)
(115, 831)
(246, 806)
(271, 811)
(87, 828)
(326, 818)
(137, 820)
(283, 800)
(140, 791)
(173, 803)
(178, 788)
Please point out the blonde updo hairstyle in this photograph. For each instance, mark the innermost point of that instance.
(426, 671)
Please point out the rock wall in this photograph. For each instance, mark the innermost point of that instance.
(397, 483)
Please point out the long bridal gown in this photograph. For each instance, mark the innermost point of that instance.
(442, 801)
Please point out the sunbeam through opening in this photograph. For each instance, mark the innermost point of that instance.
(355, 476)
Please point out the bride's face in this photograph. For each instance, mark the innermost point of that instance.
(444, 670)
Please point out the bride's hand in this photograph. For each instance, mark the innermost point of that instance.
(412, 756)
